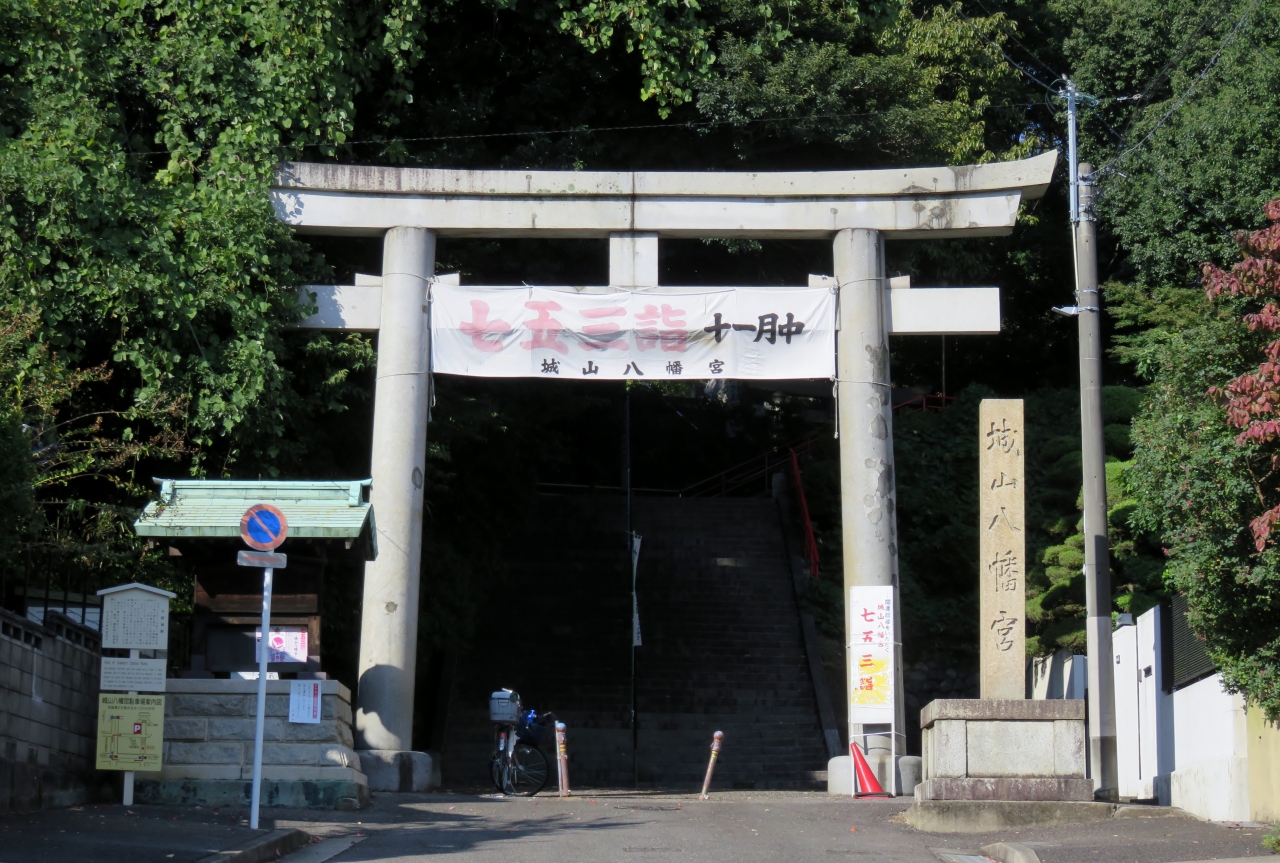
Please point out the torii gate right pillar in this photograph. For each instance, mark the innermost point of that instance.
(867, 490)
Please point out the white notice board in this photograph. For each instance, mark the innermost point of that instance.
(285, 644)
(133, 675)
(305, 703)
(135, 619)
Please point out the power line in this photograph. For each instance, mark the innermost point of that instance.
(1205, 22)
(691, 124)
(1168, 183)
(1020, 44)
(1213, 62)
(1012, 62)
(537, 133)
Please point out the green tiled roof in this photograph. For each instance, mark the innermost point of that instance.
(333, 509)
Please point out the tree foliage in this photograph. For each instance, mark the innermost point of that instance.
(1181, 135)
(1205, 477)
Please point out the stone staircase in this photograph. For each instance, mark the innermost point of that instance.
(722, 648)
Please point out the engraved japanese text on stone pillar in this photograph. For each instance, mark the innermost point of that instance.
(1002, 550)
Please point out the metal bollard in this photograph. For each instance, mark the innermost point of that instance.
(716, 740)
(562, 759)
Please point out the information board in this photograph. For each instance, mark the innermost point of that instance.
(133, 675)
(305, 703)
(130, 732)
(284, 644)
(135, 619)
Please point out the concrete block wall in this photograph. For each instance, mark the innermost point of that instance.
(208, 747)
(48, 714)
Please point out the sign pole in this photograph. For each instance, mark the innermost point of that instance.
(126, 796)
(264, 528)
(260, 720)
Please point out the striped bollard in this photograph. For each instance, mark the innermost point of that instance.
(562, 759)
(716, 740)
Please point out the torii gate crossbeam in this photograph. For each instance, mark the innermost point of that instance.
(409, 207)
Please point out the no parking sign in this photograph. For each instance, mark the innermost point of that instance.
(263, 527)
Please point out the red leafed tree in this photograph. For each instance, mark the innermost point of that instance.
(1253, 400)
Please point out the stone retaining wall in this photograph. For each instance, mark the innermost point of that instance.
(208, 748)
(49, 692)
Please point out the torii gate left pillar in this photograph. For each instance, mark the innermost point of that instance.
(389, 618)
(409, 207)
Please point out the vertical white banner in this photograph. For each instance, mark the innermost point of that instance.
(635, 603)
(871, 652)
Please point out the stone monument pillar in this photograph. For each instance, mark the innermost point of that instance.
(1001, 746)
(1002, 549)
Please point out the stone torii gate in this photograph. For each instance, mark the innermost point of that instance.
(856, 210)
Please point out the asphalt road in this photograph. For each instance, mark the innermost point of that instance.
(114, 834)
(733, 827)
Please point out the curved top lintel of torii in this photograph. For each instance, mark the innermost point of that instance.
(905, 202)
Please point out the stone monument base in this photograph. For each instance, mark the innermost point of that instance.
(990, 816)
(208, 749)
(397, 770)
(987, 749)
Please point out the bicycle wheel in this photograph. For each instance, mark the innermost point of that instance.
(530, 774)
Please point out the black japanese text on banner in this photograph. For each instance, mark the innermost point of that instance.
(760, 333)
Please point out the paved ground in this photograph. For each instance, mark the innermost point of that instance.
(114, 834)
(653, 828)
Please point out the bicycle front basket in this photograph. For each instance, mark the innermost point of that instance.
(504, 706)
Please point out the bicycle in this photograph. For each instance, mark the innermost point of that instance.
(517, 767)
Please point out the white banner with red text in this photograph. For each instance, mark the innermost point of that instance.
(872, 643)
(752, 333)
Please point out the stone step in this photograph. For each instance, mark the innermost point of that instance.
(722, 648)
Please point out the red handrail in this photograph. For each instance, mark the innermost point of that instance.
(934, 402)
(763, 465)
(810, 542)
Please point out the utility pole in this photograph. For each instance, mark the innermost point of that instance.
(1097, 563)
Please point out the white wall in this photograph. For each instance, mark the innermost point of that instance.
(1186, 749)
(1124, 642)
(1058, 676)
(1155, 710)
(1211, 775)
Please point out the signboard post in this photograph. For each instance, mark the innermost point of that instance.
(131, 727)
(262, 528)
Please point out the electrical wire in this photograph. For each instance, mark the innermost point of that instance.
(1186, 94)
(1020, 44)
(691, 124)
(1101, 193)
(1163, 72)
(1031, 76)
(536, 133)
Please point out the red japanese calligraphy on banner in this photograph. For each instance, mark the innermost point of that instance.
(871, 647)
(763, 333)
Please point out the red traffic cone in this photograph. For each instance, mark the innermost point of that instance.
(868, 785)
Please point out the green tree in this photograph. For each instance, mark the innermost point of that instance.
(1209, 487)
(1187, 95)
